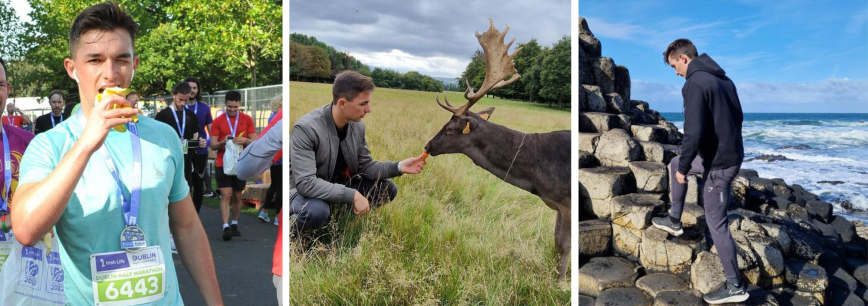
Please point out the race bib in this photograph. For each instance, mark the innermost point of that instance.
(126, 278)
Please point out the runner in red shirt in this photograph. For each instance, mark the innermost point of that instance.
(231, 128)
(12, 119)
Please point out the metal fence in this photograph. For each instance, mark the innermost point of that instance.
(255, 102)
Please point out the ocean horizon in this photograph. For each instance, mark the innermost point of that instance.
(827, 152)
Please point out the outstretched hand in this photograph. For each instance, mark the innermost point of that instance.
(412, 165)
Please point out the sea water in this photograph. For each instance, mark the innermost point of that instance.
(835, 167)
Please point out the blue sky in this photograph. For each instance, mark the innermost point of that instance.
(784, 56)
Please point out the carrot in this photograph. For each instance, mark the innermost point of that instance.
(424, 155)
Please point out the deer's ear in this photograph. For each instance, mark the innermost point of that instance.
(466, 128)
(486, 113)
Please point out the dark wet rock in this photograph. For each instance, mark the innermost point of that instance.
(789, 297)
(841, 278)
(603, 273)
(803, 244)
(770, 158)
(860, 272)
(856, 250)
(827, 230)
(833, 183)
(820, 210)
(585, 300)
(842, 296)
(779, 202)
(796, 147)
(587, 41)
(806, 277)
(845, 228)
(748, 173)
(623, 297)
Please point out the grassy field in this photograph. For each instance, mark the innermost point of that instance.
(455, 235)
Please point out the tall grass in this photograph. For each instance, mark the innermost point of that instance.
(455, 234)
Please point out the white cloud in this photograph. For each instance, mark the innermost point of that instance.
(614, 30)
(402, 61)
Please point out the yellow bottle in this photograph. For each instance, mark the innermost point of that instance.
(117, 91)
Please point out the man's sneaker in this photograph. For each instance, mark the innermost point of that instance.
(727, 293)
(263, 216)
(235, 231)
(208, 193)
(666, 224)
(227, 233)
(275, 221)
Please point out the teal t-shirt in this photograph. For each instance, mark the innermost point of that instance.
(92, 221)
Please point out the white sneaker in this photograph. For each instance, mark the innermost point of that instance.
(275, 222)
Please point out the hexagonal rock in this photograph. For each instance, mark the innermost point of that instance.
(617, 148)
(659, 252)
(604, 73)
(615, 104)
(652, 151)
(634, 210)
(820, 210)
(706, 272)
(806, 277)
(845, 229)
(649, 133)
(650, 176)
(693, 191)
(595, 238)
(624, 122)
(606, 182)
(622, 82)
(782, 240)
(656, 283)
(590, 44)
(677, 298)
(771, 259)
(673, 136)
(586, 300)
(670, 152)
(626, 241)
(594, 98)
(861, 274)
(597, 122)
(588, 142)
(603, 273)
(587, 160)
(693, 215)
(844, 298)
(623, 297)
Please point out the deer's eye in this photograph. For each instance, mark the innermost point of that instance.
(450, 131)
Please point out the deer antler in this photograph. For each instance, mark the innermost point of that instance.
(498, 66)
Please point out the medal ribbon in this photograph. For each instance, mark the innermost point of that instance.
(7, 171)
(52, 119)
(231, 127)
(181, 126)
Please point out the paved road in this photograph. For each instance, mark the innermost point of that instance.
(243, 264)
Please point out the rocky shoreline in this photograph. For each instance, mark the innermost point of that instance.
(792, 249)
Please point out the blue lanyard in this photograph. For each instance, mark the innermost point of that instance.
(7, 171)
(231, 127)
(195, 108)
(52, 118)
(181, 126)
(130, 207)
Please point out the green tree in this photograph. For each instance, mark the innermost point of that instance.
(556, 79)
(524, 63)
(320, 67)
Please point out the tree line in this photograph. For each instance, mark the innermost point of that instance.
(311, 60)
(226, 44)
(545, 71)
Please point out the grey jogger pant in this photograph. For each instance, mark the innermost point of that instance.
(715, 194)
(314, 213)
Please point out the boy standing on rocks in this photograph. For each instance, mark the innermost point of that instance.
(712, 147)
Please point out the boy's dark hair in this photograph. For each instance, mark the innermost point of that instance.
(349, 84)
(233, 95)
(57, 92)
(680, 46)
(198, 96)
(106, 17)
(182, 88)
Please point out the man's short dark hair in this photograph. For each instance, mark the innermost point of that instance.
(182, 88)
(233, 95)
(4, 66)
(57, 92)
(349, 84)
(107, 17)
(198, 96)
(680, 46)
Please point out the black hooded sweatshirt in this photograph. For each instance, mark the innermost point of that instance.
(712, 117)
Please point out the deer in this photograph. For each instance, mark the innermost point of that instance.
(538, 163)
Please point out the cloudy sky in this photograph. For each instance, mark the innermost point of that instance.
(785, 56)
(435, 38)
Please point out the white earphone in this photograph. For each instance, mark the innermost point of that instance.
(74, 76)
